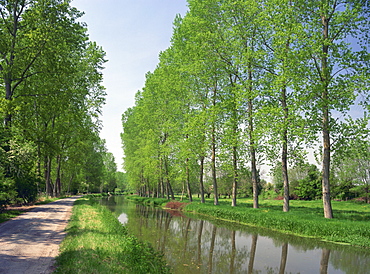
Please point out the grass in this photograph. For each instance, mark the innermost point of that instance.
(350, 226)
(97, 243)
(8, 214)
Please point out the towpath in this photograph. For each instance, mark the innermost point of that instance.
(30, 242)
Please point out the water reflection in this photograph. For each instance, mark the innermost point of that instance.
(193, 245)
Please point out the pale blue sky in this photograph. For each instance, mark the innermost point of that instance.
(132, 33)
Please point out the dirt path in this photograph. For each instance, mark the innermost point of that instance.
(30, 242)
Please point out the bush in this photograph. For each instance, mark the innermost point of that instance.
(27, 189)
(148, 201)
(175, 205)
(7, 192)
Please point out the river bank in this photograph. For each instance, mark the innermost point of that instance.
(350, 226)
(97, 243)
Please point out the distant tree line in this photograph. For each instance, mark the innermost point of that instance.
(52, 97)
(246, 83)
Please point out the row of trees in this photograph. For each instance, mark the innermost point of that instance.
(245, 83)
(52, 97)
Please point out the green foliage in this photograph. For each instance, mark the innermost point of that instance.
(246, 83)
(8, 192)
(26, 188)
(52, 97)
(122, 182)
(97, 242)
(309, 188)
(148, 201)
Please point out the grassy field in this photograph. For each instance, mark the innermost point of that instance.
(97, 243)
(351, 223)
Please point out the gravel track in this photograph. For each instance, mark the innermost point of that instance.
(30, 242)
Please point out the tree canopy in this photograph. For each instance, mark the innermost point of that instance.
(245, 84)
(51, 76)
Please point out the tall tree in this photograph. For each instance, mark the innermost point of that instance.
(51, 78)
(335, 68)
(282, 105)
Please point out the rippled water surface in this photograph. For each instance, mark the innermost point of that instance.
(194, 245)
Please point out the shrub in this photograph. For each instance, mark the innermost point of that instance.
(7, 192)
(175, 205)
(27, 189)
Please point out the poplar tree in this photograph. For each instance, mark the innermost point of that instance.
(335, 68)
(194, 40)
(284, 128)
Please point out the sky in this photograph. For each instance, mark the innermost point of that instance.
(132, 33)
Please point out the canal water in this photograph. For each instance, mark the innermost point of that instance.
(193, 244)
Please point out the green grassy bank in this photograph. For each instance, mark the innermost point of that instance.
(351, 223)
(97, 243)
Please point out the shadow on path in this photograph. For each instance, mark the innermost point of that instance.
(29, 243)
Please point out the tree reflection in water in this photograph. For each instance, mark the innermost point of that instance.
(233, 252)
(200, 232)
(324, 261)
(192, 245)
(284, 256)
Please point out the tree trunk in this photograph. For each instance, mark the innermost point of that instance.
(235, 179)
(8, 96)
(9, 78)
(69, 184)
(235, 144)
(284, 153)
(252, 149)
(161, 178)
(162, 188)
(188, 180)
(166, 179)
(48, 187)
(213, 159)
(252, 152)
(201, 185)
(168, 184)
(147, 183)
(158, 188)
(58, 185)
(38, 169)
(328, 212)
(170, 189)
